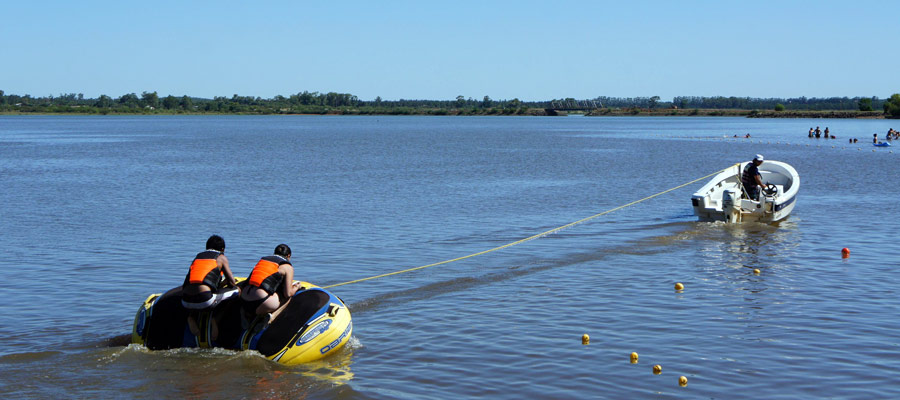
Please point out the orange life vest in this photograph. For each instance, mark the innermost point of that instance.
(204, 270)
(265, 274)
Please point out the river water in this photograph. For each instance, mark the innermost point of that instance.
(97, 213)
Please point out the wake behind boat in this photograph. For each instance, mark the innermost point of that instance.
(724, 198)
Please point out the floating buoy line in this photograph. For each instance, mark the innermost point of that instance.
(532, 237)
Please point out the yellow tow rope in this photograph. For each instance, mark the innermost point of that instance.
(554, 230)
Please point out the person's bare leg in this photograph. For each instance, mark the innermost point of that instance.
(283, 306)
(279, 310)
(268, 306)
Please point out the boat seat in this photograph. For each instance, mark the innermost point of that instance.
(292, 320)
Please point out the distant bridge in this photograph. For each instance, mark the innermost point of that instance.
(561, 107)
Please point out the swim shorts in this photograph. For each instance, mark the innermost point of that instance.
(206, 300)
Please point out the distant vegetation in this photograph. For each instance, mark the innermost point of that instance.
(892, 106)
(344, 103)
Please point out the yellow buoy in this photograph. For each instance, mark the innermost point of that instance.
(756, 271)
(682, 381)
(657, 369)
(585, 339)
(634, 358)
(679, 286)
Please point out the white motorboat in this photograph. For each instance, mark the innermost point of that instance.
(724, 199)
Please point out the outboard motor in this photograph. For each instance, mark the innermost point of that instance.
(768, 198)
(730, 205)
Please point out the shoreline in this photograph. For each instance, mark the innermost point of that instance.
(531, 112)
(853, 114)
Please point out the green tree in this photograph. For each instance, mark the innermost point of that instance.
(2, 97)
(460, 101)
(892, 106)
(12, 99)
(170, 102)
(486, 102)
(653, 101)
(865, 104)
(103, 101)
(779, 107)
(306, 98)
(150, 99)
(187, 104)
(129, 100)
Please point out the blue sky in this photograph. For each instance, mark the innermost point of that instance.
(531, 50)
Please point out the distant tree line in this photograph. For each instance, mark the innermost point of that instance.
(301, 103)
(321, 103)
(748, 103)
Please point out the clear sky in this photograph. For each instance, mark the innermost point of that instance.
(531, 50)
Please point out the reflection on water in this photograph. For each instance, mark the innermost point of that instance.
(205, 373)
(750, 245)
(735, 245)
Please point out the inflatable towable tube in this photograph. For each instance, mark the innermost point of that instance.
(314, 324)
